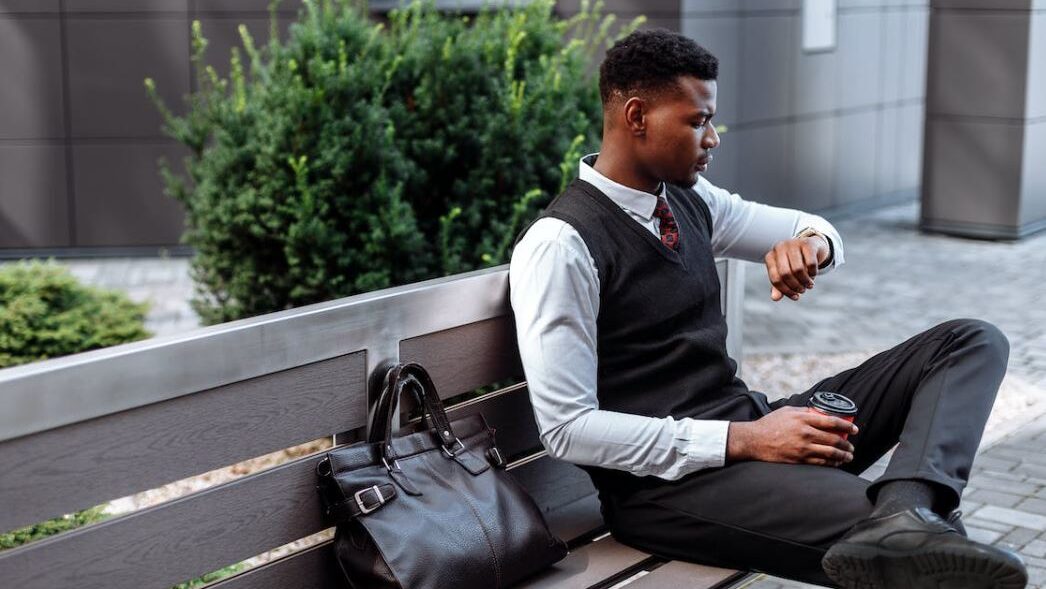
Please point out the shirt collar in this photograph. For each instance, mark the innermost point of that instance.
(637, 201)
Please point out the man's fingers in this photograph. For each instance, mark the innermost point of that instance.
(786, 271)
(829, 439)
(810, 261)
(827, 455)
(779, 289)
(828, 423)
(795, 260)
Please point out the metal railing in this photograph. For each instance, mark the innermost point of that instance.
(52, 393)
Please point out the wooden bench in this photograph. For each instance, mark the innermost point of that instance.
(85, 429)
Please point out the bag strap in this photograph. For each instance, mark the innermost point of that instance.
(360, 503)
(413, 377)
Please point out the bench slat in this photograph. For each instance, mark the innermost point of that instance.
(467, 357)
(179, 540)
(312, 568)
(677, 573)
(587, 565)
(554, 483)
(88, 463)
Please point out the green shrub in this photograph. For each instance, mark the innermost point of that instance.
(45, 312)
(356, 156)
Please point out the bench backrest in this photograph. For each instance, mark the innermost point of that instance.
(82, 430)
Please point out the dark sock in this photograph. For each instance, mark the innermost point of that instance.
(897, 496)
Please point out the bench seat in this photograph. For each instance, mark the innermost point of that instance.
(84, 429)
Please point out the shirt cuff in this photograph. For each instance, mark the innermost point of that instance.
(704, 441)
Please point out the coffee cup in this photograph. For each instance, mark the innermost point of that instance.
(834, 404)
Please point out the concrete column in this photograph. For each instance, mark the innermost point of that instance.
(984, 173)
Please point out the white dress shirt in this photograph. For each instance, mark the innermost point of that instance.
(554, 290)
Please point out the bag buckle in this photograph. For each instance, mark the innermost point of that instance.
(363, 506)
(459, 448)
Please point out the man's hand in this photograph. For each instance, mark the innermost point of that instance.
(794, 435)
(792, 265)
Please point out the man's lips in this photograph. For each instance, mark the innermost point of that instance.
(703, 162)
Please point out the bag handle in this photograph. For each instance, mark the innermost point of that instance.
(413, 377)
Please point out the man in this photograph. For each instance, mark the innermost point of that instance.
(622, 338)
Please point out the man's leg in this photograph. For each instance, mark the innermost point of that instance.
(930, 395)
(774, 518)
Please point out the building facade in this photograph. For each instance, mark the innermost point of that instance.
(832, 130)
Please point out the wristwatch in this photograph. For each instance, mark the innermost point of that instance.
(811, 232)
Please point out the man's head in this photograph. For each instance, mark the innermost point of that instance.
(659, 94)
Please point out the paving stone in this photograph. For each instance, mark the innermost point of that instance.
(1012, 517)
(988, 524)
(1036, 548)
(1020, 537)
(1036, 578)
(1033, 505)
(982, 535)
(995, 497)
(997, 482)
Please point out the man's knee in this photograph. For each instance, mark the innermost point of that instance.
(977, 332)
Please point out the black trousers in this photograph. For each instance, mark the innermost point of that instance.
(930, 396)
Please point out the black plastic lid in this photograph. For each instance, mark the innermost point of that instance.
(833, 403)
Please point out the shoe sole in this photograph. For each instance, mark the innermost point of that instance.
(863, 567)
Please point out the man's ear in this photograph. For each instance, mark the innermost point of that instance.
(635, 115)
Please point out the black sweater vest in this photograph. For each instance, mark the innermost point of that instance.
(661, 334)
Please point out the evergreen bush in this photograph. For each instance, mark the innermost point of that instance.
(359, 155)
(45, 313)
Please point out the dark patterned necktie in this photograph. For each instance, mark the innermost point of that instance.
(669, 229)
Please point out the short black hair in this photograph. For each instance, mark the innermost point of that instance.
(652, 60)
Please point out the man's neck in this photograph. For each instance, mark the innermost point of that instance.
(621, 168)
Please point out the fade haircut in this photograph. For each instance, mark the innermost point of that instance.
(651, 61)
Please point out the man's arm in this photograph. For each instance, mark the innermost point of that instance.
(554, 290)
(774, 236)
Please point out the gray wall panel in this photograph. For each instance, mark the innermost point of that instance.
(1035, 104)
(767, 54)
(909, 145)
(108, 61)
(916, 38)
(978, 166)
(651, 7)
(222, 34)
(768, 5)
(886, 160)
(31, 91)
(860, 52)
(766, 154)
(120, 198)
(690, 7)
(285, 7)
(893, 60)
(815, 160)
(79, 6)
(33, 202)
(721, 36)
(984, 72)
(24, 6)
(855, 148)
(816, 81)
(1033, 183)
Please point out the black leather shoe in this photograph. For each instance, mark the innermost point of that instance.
(955, 521)
(917, 549)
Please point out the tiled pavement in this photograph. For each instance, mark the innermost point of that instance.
(896, 282)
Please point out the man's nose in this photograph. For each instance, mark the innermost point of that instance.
(710, 140)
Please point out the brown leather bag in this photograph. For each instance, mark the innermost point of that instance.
(432, 509)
